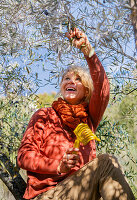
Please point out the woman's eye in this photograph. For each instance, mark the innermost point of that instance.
(78, 79)
(67, 78)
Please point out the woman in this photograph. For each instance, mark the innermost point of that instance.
(55, 169)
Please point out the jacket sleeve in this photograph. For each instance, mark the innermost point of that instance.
(100, 95)
(30, 157)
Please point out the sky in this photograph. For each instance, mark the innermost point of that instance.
(48, 88)
(44, 74)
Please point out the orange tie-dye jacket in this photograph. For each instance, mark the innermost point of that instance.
(45, 141)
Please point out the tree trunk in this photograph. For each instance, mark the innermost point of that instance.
(11, 178)
(133, 5)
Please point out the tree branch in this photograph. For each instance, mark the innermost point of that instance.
(11, 178)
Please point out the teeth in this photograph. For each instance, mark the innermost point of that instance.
(70, 89)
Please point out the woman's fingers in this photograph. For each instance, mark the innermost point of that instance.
(78, 43)
(69, 163)
(69, 160)
(76, 33)
(68, 35)
(68, 157)
(71, 150)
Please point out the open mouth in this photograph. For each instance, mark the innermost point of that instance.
(70, 89)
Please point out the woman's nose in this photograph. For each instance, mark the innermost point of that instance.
(72, 80)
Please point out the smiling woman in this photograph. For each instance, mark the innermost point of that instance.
(55, 168)
(76, 76)
(72, 89)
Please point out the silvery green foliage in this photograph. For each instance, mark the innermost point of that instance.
(14, 119)
(15, 115)
(16, 105)
(13, 80)
(116, 141)
(38, 28)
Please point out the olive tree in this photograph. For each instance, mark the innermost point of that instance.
(32, 38)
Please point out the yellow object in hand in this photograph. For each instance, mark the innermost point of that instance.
(84, 135)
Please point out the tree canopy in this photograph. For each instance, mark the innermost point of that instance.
(32, 39)
(33, 33)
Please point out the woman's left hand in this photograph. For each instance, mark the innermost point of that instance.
(80, 40)
(69, 160)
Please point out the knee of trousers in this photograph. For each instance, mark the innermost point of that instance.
(109, 158)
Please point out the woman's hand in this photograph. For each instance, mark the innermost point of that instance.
(80, 40)
(69, 160)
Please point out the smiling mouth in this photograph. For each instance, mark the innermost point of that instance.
(70, 89)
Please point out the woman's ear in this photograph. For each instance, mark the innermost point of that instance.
(86, 92)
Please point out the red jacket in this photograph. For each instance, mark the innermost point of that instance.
(45, 141)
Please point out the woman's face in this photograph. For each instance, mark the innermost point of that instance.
(72, 89)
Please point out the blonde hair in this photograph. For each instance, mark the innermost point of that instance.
(85, 78)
